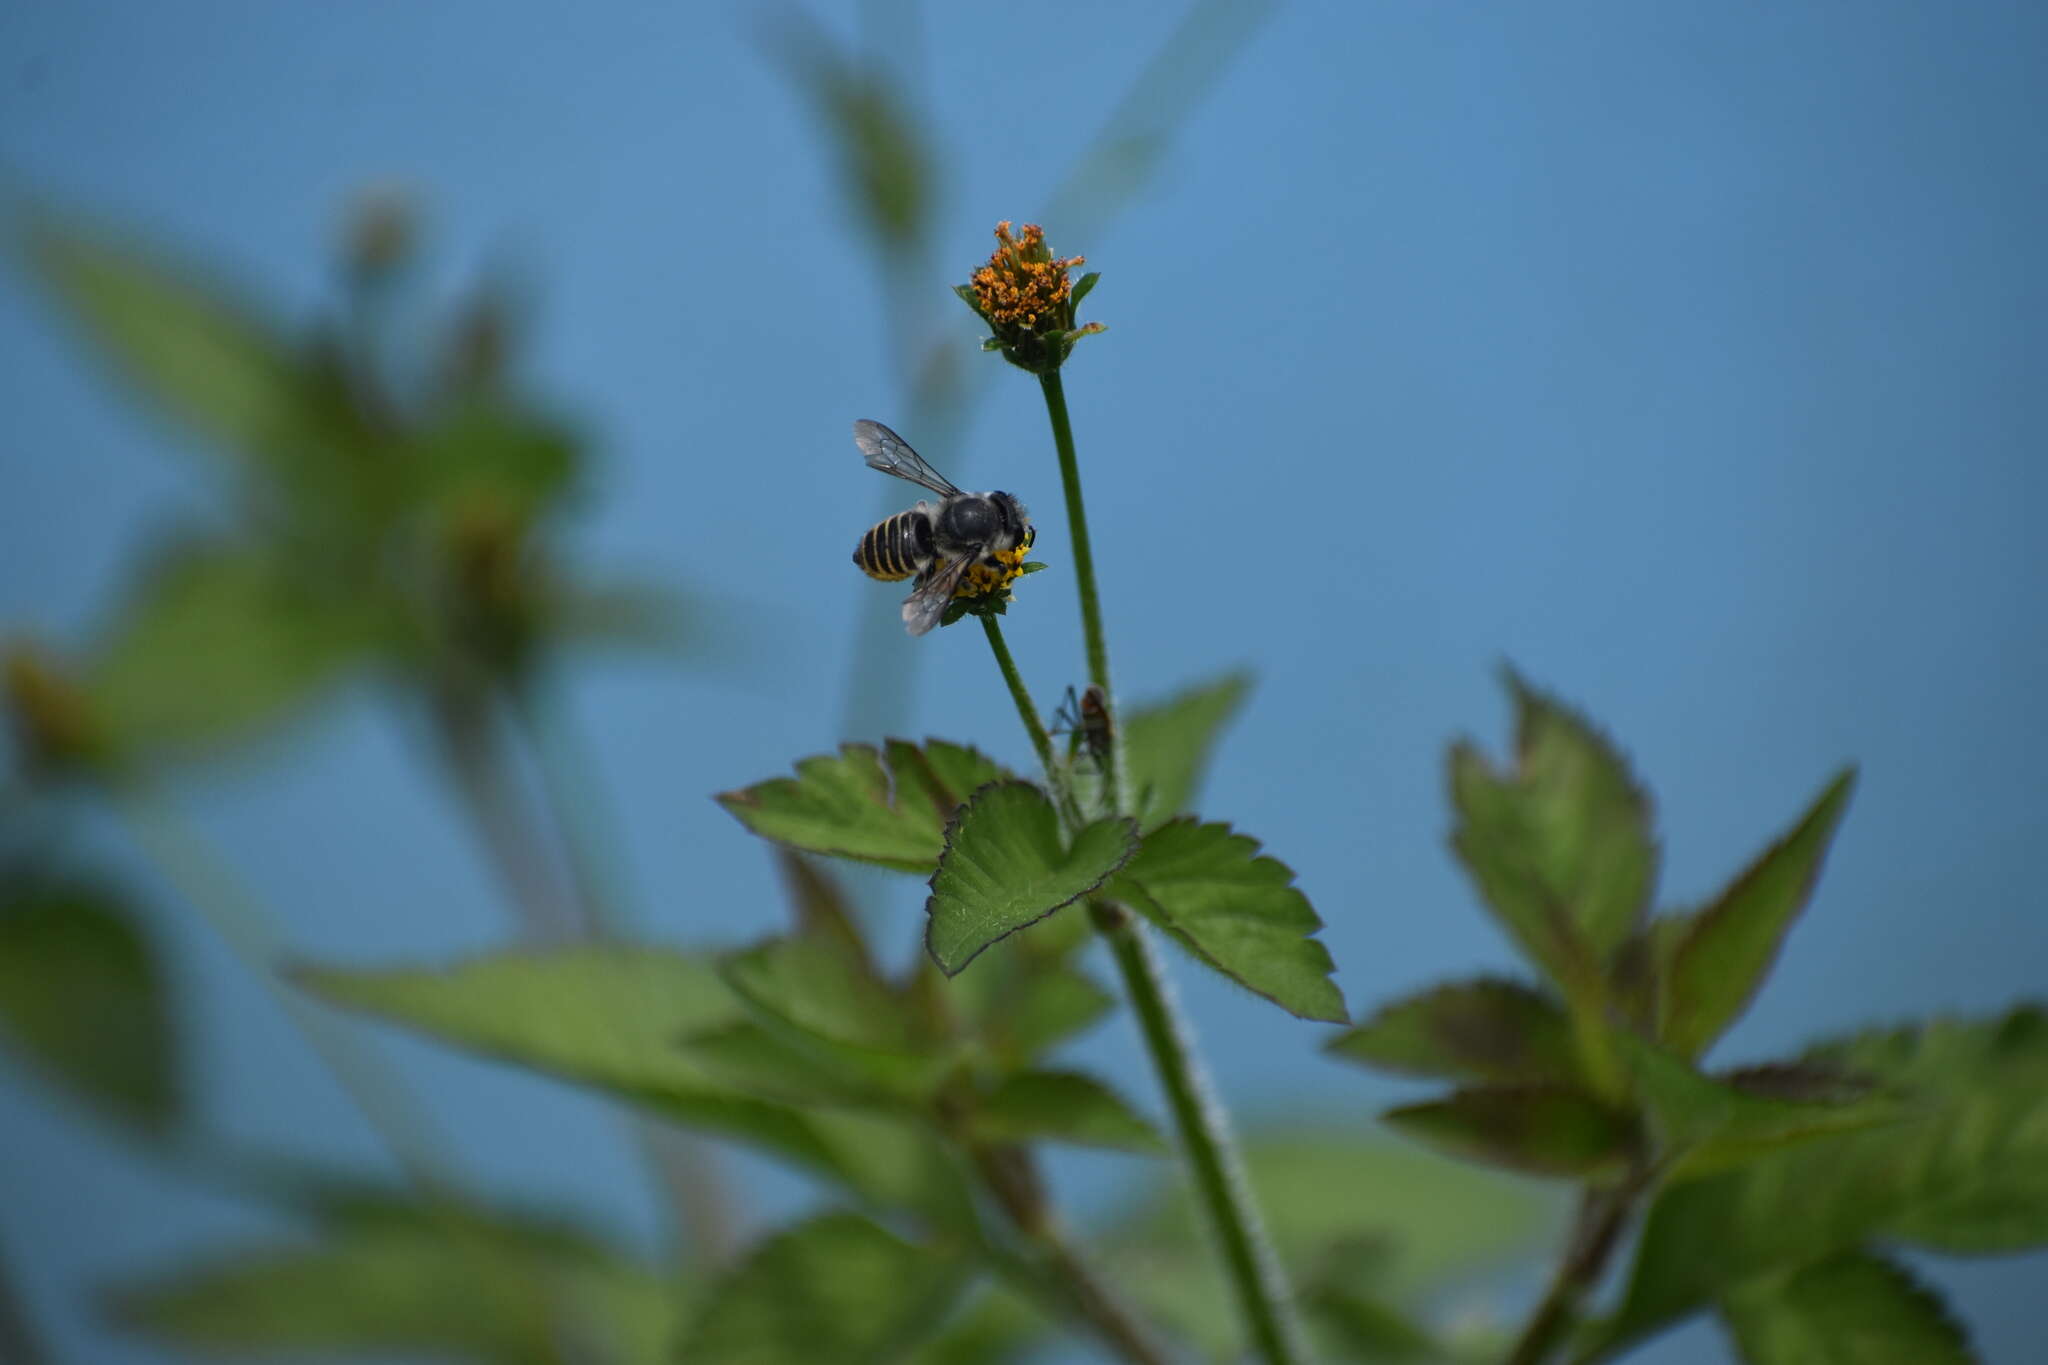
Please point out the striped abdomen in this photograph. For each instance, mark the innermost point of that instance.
(896, 548)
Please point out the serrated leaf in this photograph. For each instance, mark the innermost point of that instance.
(818, 999)
(216, 644)
(862, 804)
(607, 1017)
(83, 994)
(1855, 1309)
(1210, 889)
(1589, 815)
(1064, 1106)
(1965, 1170)
(200, 356)
(1484, 1030)
(836, 1288)
(1004, 868)
(1726, 949)
(1167, 745)
(1705, 1125)
(422, 1280)
(1543, 1130)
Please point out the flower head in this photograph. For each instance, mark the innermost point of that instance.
(1025, 296)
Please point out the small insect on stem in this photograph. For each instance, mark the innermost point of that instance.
(1086, 723)
(966, 545)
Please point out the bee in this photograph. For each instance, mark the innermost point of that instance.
(969, 542)
(1086, 721)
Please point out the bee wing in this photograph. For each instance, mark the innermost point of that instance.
(891, 454)
(923, 608)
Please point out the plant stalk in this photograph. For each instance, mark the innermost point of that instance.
(208, 886)
(1596, 1230)
(1201, 1121)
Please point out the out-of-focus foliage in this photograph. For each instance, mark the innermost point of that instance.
(1763, 1189)
(82, 991)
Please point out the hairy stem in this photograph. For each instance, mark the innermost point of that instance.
(1595, 1232)
(1084, 573)
(205, 883)
(1204, 1128)
(1027, 710)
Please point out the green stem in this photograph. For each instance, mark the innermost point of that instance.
(19, 1340)
(1204, 1129)
(205, 883)
(1027, 710)
(1205, 1141)
(1595, 1233)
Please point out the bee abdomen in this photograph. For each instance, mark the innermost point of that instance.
(896, 548)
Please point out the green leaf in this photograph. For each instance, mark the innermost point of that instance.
(749, 1058)
(199, 356)
(608, 1017)
(217, 644)
(837, 1288)
(1484, 1030)
(857, 805)
(1004, 868)
(521, 461)
(1064, 1106)
(1235, 910)
(1856, 1309)
(1727, 949)
(1167, 745)
(814, 996)
(1705, 1125)
(1540, 1129)
(1044, 1008)
(1561, 849)
(442, 1280)
(1965, 1170)
(83, 994)
(1082, 287)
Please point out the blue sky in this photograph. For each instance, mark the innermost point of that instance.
(1684, 354)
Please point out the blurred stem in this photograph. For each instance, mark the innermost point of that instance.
(206, 883)
(1205, 1139)
(1595, 1232)
(683, 1169)
(19, 1340)
(1013, 1179)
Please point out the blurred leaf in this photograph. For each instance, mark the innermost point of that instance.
(1965, 1171)
(1482, 1030)
(1361, 1327)
(1561, 848)
(1042, 1009)
(819, 907)
(446, 1281)
(862, 805)
(1064, 1106)
(1855, 1309)
(749, 1058)
(1543, 1130)
(82, 992)
(1004, 867)
(613, 1018)
(1235, 910)
(217, 644)
(637, 617)
(489, 449)
(1366, 1217)
(814, 997)
(837, 1288)
(883, 160)
(1705, 1125)
(199, 356)
(997, 1328)
(1168, 743)
(1726, 950)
